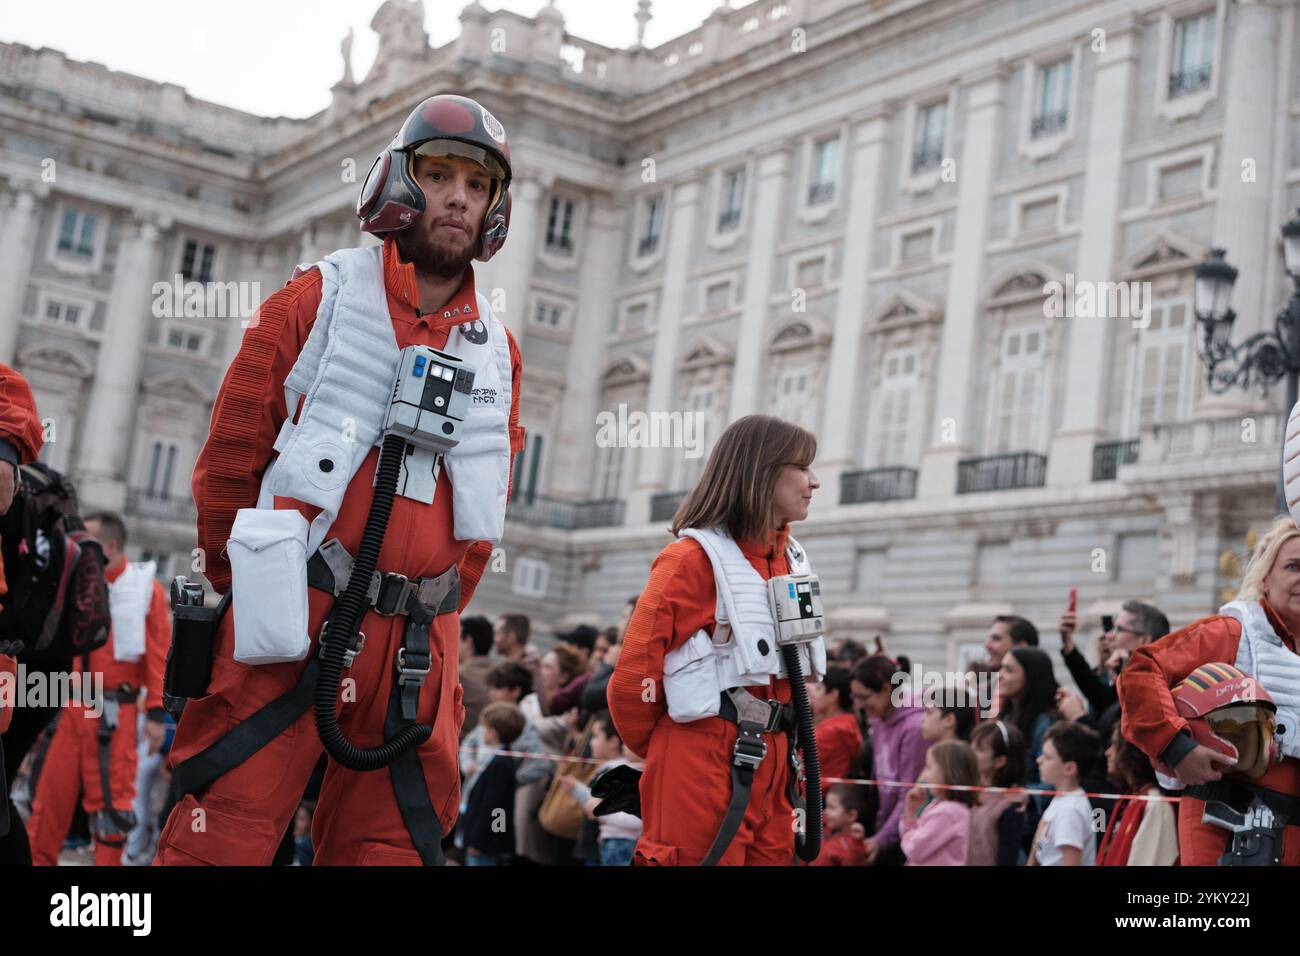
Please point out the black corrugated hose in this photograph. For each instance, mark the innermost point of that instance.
(809, 843)
(345, 620)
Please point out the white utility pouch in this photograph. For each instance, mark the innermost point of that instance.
(691, 687)
(268, 567)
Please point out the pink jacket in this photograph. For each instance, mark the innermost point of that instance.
(939, 837)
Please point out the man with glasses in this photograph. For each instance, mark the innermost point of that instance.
(1136, 625)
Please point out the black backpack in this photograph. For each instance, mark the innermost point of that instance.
(57, 601)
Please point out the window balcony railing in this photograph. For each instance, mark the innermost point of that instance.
(1190, 80)
(926, 157)
(664, 505)
(154, 504)
(1025, 469)
(820, 193)
(1109, 455)
(647, 245)
(877, 484)
(729, 220)
(561, 244)
(1045, 124)
(565, 515)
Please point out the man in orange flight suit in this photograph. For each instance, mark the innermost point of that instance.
(241, 817)
(683, 800)
(21, 438)
(77, 755)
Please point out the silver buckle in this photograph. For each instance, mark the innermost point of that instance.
(765, 713)
(409, 675)
(348, 656)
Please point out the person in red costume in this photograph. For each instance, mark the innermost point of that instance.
(1259, 627)
(757, 480)
(99, 735)
(839, 738)
(21, 438)
(439, 197)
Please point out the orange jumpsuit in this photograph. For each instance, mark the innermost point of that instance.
(21, 426)
(241, 818)
(72, 762)
(686, 786)
(1151, 721)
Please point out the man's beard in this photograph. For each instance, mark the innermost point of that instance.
(419, 248)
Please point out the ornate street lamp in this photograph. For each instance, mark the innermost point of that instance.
(1265, 357)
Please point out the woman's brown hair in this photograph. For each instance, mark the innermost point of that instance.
(957, 763)
(735, 488)
(568, 661)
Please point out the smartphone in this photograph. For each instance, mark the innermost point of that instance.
(1074, 599)
(1107, 623)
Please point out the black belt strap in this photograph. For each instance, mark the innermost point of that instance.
(248, 736)
(748, 753)
(104, 748)
(1239, 794)
(406, 772)
(252, 734)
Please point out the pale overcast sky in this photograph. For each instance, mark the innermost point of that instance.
(280, 57)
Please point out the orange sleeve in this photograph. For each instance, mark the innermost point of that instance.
(247, 416)
(476, 558)
(678, 600)
(7, 666)
(19, 422)
(1149, 718)
(157, 637)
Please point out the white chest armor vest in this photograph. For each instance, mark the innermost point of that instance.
(129, 598)
(743, 650)
(346, 371)
(1263, 655)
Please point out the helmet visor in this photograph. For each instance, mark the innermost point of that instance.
(452, 147)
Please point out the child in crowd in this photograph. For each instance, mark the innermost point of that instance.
(1065, 836)
(948, 713)
(488, 821)
(998, 821)
(940, 836)
(1141, 832)
(839, 738)
(843, 832)
(618, 831)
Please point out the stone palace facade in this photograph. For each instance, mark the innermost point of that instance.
(845, 212)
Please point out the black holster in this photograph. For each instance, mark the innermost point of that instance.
(194, 635)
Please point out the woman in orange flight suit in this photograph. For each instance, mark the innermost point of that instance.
(757, 479)
(1152, 722)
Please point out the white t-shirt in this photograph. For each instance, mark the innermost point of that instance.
(1067, 822)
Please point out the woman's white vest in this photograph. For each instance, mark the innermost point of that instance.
(1263, 655)
(743, 649)
(346, 371)
(129, 598)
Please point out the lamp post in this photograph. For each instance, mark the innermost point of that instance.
(1265, 357)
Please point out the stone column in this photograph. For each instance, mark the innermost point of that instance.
(1242, 210)
(575, 445)
(115, 393)
(841, 429)
(751, 343)
(652, 473)
(1088, 350)
(17, 241)
(984, 102)
(511, 269)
